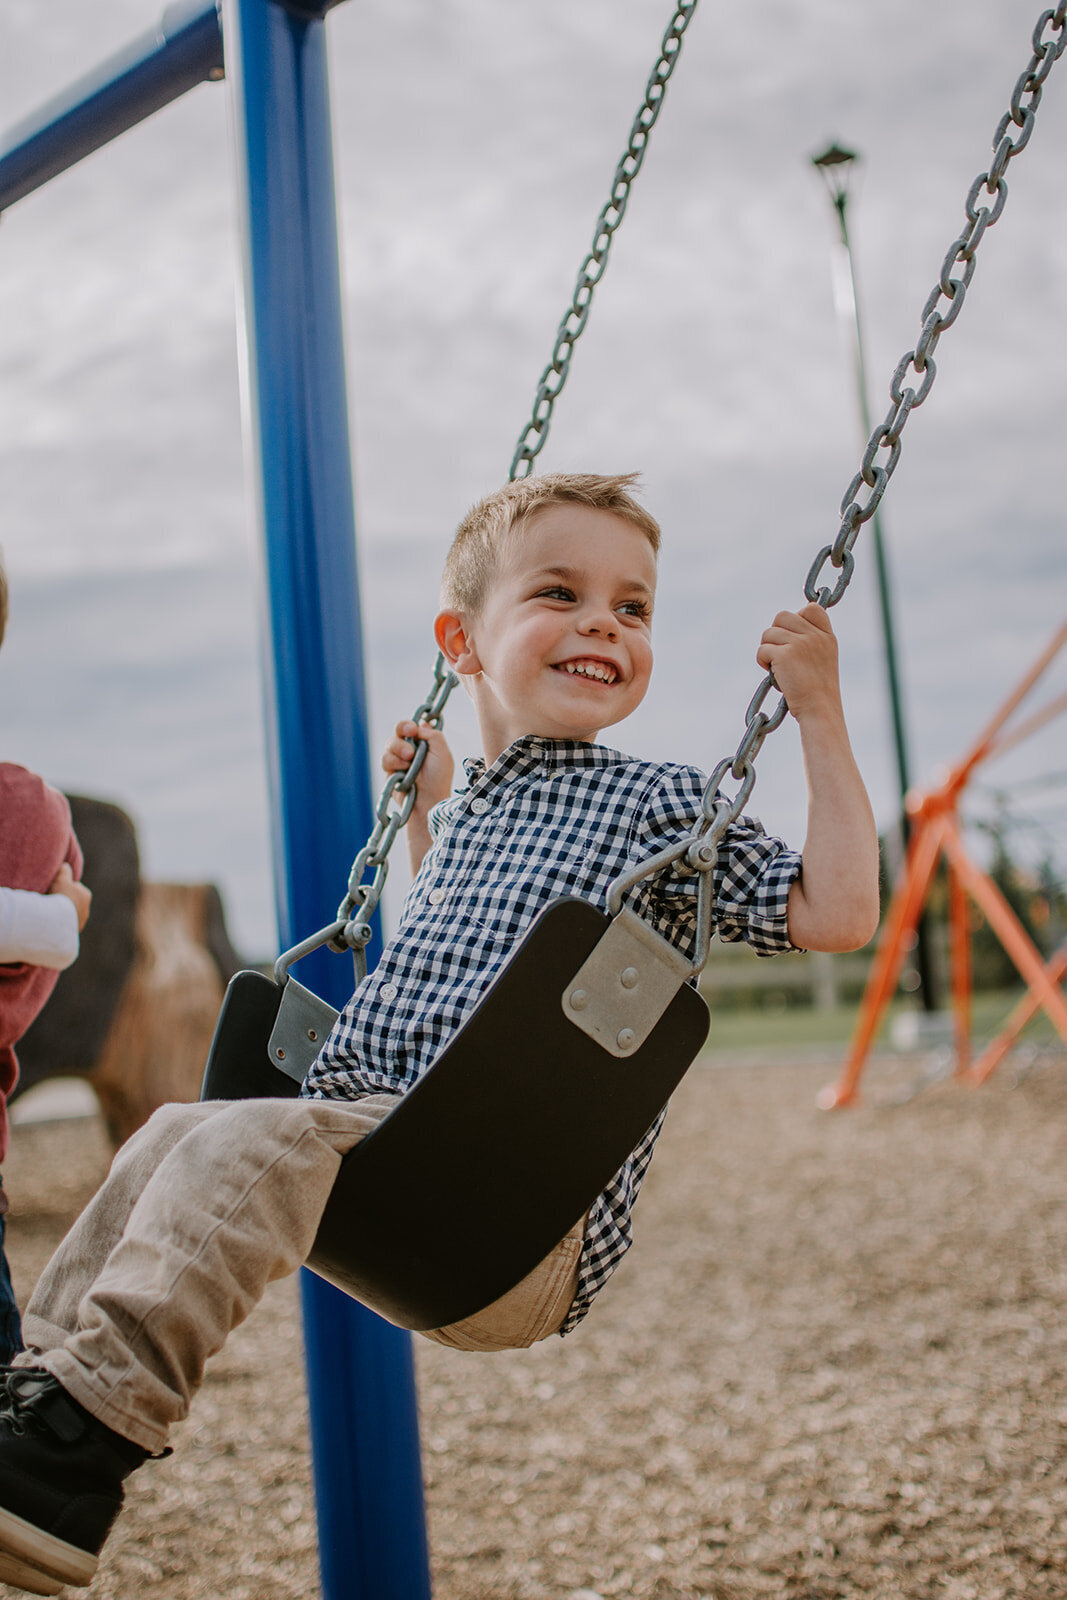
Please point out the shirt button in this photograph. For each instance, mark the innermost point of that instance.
(479, 806)
(388, 991)
(437, 897)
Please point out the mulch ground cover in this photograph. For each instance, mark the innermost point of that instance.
(833, 1365)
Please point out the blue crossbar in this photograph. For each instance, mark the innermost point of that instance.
(158, 67)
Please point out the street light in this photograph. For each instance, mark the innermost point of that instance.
(836, 166)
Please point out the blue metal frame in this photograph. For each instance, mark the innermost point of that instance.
(361, 1384)
(368, 1481)
(184, 50)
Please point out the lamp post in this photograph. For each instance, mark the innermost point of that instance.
(835, 165)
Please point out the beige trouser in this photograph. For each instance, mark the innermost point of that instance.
(204, 1207)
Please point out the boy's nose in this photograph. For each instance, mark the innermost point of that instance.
(601, 623)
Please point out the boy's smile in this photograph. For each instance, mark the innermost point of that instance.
(562, 645)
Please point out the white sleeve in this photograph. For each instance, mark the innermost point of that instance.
(41, 929)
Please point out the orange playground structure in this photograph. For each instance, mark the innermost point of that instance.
(936, 834)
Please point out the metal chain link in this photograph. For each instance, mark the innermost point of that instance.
(861, 499)
(352, 930)
(361, 899)
(864, 493)
(532, 439)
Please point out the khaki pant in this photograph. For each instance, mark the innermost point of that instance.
(204, 1207)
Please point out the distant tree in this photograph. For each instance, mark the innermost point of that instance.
(1037, 896)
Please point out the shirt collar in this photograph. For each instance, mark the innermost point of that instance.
(534, 750)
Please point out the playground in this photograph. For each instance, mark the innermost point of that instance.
(846, 1377)
(833, 1364)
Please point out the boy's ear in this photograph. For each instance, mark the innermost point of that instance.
(455, 642)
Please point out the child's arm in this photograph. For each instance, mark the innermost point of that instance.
(434, 781)
(834, 903)
(42, 929)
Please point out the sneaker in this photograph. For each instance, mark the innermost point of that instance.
(61, 1475)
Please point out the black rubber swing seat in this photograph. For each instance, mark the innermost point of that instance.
(497, 1151)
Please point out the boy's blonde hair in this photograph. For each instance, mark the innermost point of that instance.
(470, 565)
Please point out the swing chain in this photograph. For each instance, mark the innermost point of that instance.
(361, 899)
(985, 202)
(533, 437)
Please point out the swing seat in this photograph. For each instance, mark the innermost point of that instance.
(497, 1151)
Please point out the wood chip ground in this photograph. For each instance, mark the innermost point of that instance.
(834, 1365)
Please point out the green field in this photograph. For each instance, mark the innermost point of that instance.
(805, 1030)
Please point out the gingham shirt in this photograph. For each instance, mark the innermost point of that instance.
(550, 817)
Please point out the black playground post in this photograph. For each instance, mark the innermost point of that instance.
(835, 164)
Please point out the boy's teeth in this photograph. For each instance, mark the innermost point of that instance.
(591, 669)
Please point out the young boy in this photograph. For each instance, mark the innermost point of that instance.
(546, 615)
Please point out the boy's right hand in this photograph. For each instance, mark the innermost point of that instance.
(65, 883)
(435, 776)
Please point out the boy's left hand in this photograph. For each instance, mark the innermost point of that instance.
(800, 649)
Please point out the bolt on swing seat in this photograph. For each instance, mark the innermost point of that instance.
(504, 1144)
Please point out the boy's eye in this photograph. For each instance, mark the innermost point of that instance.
(629, 608)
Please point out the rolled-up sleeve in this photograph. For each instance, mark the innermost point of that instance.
(752, 877)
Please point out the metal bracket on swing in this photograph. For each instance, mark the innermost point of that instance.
(627, 982)
(300, 1030)
(622, 990)
(303, 1020)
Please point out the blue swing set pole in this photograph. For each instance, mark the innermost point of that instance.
(368, 1484)
(364, 1428)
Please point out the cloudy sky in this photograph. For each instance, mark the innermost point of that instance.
(476, 140)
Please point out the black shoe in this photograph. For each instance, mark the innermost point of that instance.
(61, 1475)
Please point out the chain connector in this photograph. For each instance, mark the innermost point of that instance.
(315, 941)
(703, 855)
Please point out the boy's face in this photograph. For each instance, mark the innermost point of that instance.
(562, 645)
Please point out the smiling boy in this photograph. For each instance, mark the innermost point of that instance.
(546, 615)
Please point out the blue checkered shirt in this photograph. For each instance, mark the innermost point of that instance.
(550, 817)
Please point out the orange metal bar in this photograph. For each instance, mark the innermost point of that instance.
(1008, 930)
(909, 896)
(960, 950)
(981, 747)
(1016, 735)
(936, 832)
(1018, 1017)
